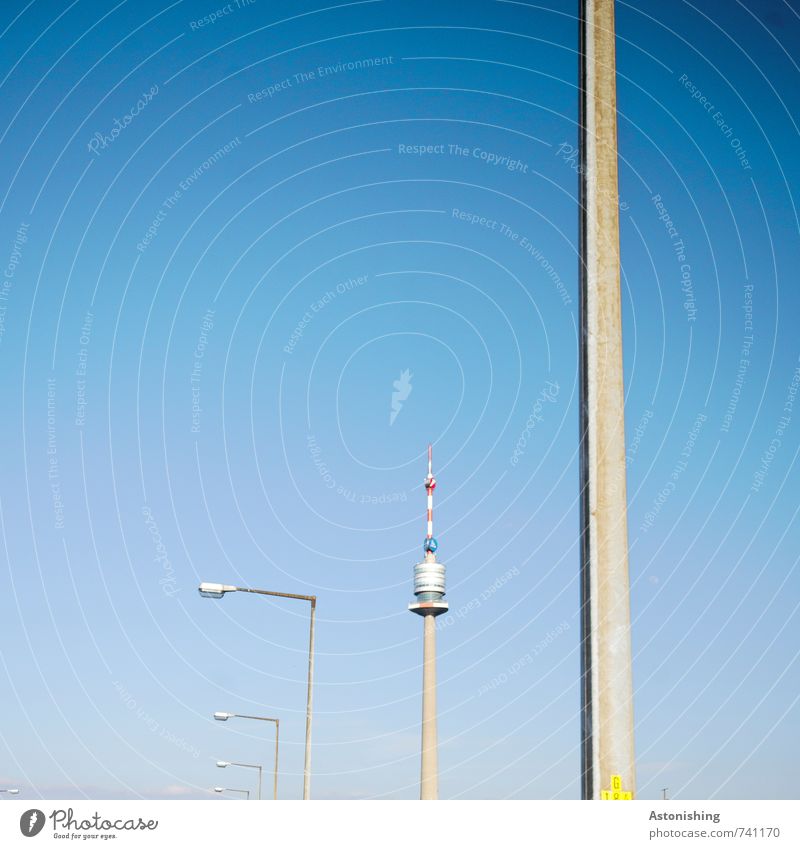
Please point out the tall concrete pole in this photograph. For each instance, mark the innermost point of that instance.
(608, 769)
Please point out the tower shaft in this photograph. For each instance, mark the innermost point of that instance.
(429, 772)
(606, 685)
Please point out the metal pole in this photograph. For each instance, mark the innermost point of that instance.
(236, 790)
(226, 716)
(429, 773)
(606, 683)
(275, 779)
(313, 600)
(249, 766)
(277, 722)
(307, 765)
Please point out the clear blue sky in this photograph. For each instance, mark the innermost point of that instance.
(205, 307)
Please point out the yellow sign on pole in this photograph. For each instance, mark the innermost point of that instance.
(616, 791)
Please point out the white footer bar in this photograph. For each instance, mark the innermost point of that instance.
(370, 824)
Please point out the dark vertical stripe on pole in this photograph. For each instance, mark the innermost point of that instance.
(587, 786)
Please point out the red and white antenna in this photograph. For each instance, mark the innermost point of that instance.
(430, 484)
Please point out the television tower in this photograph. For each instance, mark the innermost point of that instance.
(429, 588)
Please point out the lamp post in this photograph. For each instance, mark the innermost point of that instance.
(11, 791)
(223, 764)
(231, 790)
(208, 590)
(223, 716)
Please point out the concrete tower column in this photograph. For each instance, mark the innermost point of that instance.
(607, 691)
(429, 773)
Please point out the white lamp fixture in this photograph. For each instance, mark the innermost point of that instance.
(215, 590)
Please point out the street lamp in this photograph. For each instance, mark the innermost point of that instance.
(223, 716)
(11, 792)
(208, 590)
(223, 764)
(215, 590)
(231, 790)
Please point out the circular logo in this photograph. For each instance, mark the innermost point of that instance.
(31, 822)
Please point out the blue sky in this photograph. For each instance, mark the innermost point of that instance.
(225, 239)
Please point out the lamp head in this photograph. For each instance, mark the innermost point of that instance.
(223, 763)
(14, 792)
(208, 590)
(218, 789)
(222, 715)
